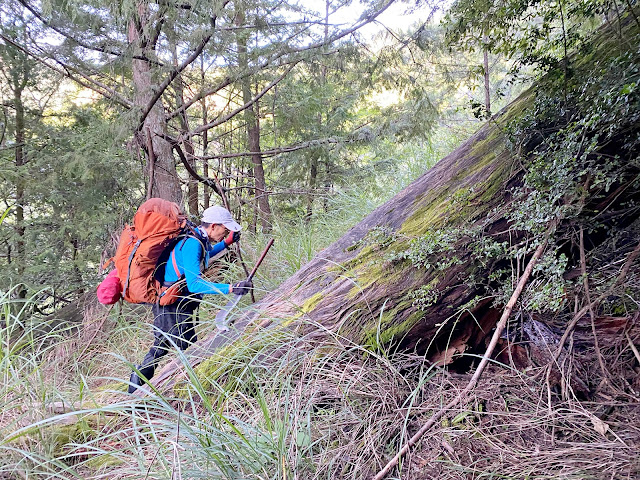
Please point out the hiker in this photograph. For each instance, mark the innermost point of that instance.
(188, 260)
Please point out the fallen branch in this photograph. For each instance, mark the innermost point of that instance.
(502, 323)
(585, 282)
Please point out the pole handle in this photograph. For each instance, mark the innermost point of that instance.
(264, 254)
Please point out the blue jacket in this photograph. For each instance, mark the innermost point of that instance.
(189, 260)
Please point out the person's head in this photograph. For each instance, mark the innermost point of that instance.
(217, 222)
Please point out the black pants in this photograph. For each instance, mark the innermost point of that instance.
(173, 324)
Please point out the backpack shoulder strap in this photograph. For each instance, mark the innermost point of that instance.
(191, 231)
(174, 263)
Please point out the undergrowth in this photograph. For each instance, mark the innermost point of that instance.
(295, 405)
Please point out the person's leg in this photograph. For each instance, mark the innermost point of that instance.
(164, 322)
(186, 323)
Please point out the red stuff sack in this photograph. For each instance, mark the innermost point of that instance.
(110, 289)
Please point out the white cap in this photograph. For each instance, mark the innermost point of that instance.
(220, 215)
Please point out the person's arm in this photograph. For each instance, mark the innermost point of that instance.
(191, 253)
(232, 238)
(217, 248)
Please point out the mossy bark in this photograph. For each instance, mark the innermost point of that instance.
(365, 288)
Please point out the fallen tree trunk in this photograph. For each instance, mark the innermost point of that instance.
(351, 288)
(427, 271)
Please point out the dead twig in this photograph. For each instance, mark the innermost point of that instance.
(483, 363)
(585, 282)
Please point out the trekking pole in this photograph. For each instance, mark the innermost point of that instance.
(264, 254)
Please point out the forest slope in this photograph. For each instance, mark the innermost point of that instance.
(430, 270)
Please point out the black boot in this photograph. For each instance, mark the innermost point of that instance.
(135, 381)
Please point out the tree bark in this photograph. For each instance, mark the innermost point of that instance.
(487, 85)
(313, 183)
(253, 133)
(19, 79)
(165, 179)
(192, 183)
(206, 192)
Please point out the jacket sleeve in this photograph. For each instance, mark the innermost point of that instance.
(191, 252)
(217, 248)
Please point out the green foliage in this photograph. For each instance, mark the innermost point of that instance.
(81, 186)
(433, 245)
(425, 296)
(528, 31)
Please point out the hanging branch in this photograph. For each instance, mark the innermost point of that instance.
(502, 323)
(216, 187)
(291, 148)
(587, 293)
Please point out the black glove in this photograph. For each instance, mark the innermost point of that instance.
(233, 237)
(242, 288)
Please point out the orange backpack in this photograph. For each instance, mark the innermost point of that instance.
(155, 226)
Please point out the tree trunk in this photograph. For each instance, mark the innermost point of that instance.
(165, 177)
(313, 182)
(253, 134)
(19, 83)
(206, 191)
(487, 86)
(192, 183)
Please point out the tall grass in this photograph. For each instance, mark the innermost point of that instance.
(282, 404)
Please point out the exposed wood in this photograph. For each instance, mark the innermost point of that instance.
(483, 363)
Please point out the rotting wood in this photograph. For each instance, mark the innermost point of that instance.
(502, 323)
(576, 318)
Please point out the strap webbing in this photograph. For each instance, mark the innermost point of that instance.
(175, 264)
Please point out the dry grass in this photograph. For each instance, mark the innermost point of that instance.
(310, 406)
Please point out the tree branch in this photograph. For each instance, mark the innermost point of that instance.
(69, 71)
(248, 104)
(176, 71)
(278, 151)
(58, 30)
(207, 181)
(284, 51)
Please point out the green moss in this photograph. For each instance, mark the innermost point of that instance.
(105, 460)
(79, 432)
(231, 361)
(426, 217)
(384, 332)
(312, 302)
(363, 256)
(364, 278)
